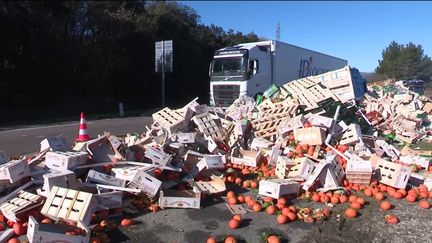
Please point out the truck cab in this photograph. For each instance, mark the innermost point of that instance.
(239, 70)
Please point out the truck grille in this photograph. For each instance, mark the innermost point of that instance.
(224, 95)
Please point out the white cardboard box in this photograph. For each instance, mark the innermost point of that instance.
(248, 158)
(303, 169)
(215, 161)
(157, 156)
(54, 144)
(14, 170)
(276, 188)
(109, 200)
(180, 198)
(310, 135)
(146, 183)
(43, 233)
(358, 171)
(125, 173)
(62, 161)
(186, 137)
(393, 174)
(65, 179)
(97, 177)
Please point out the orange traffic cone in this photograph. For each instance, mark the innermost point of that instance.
(83, 133)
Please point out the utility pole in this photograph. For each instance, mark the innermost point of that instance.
(278, 31)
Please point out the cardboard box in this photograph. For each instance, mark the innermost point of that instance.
(424, 162)
(64, 179)
(54, 144)
(169, 119)
(43, 233)
(22, 202)
(358, 171)
(14, 170)
(146, 183)
(215, 161)
(216, 185)
(310, 135)
(180, 198)
(303, 168)
(328, 174)
(283, 165)
(126, 173)
(248, 158)
(102, 151)
(275, 188)
(69, 205)
(157, 156)
(186, 137)
(109, 200)
(63, 161)
(101, 178)
(392, 174)
(258, 143)
(352, 136)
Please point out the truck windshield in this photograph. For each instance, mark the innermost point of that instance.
(228, 66)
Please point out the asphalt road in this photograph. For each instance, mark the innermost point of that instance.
(27, 140)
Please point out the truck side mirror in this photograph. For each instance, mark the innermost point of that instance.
(253, 66)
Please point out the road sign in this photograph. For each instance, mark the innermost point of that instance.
(163, 61)
(164, 55)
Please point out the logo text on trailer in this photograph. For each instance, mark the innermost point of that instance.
(308, 69)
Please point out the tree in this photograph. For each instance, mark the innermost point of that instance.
(405, 62)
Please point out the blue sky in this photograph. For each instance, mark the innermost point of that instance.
(355, 31)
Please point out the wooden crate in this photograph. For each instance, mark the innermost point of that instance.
(328, 174)
(69, 205)
(180, 198)
(258, 143)
(310, 135)
(393, 174)
(303, 168)
(283, 165)
(352, 136)
(44, 233)
(22, 202)
(216, 185)
(14, 170)
(275, 188)
(172, 121)
(266, 127)
(319, 94)
(358, 171)
(109, 200)
(207, 125)
(248, 158)
(215, 161)
(53, 144)
(290, 124)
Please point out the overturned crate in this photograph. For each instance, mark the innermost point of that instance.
(180, 198)
(393, 174)
(358, 171)
(276, 188)
(69, 205)
(169, 119)
(21, 203)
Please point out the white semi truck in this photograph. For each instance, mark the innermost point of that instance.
(250, 68)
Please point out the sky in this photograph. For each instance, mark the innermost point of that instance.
(355, 31)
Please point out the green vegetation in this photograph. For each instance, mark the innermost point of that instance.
(59, 58)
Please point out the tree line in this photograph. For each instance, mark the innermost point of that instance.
(60, 57)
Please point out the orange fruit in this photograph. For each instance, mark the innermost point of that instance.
(355, 205)
(285, 211)
(254, 184)
(211, 240)
(411, 197)
(368, 192)
(292, 216)
(271, 210)
(47, 221)
(379, 196)
(232, 200)
(424, 204)
(391, 219)
(334, 200)
(230, 194)
(281, 219)
(397, 195)
(352, 198)
(325, 199)
(234, 223)
(350, 213)
(281, 200)
(19, 229)
(126, 222)
(273, 239)
(230, 239)
(385, 205)
(257, 207)
(361, 201)
(343, 199)
(241, 199)
(237, 217)
(315, 198)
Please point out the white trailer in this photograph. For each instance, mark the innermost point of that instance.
(250, 68)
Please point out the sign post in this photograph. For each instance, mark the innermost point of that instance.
(163, 61)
